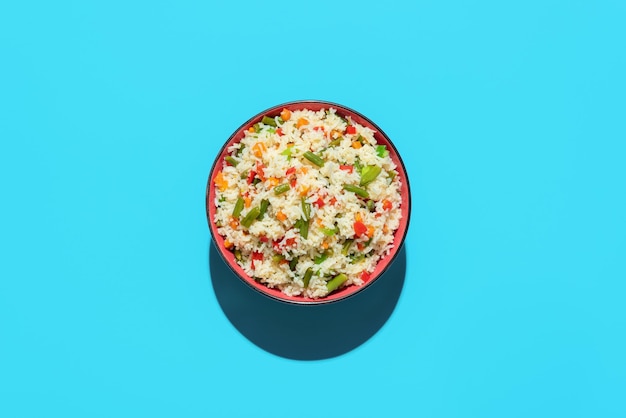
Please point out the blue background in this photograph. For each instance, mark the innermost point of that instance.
(509, 115)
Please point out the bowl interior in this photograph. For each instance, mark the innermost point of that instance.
(399, 234)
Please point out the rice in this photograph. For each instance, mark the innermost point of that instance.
(308, 202)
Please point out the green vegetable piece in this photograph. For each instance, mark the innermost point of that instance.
(268, 121)
(314, 158)
(320, 259)
(391, 174)
(329, 232)
(238, 255)
(264, 204)
(232, 161)
(369, 174)
(307, 277)
(256, 181)
(238, 207)
(244, 175)
(346, 247)
(304, 228)
(306, 209)
(287, 152)
(257, 127)
(335, 142)
(277, 258)
(371, 205)
(356, 190)
(251, 217)
(358, 166)
(293, 263)
(336, 281)
(381, 151)
(357, 258)
(282, 188)
(240, 151)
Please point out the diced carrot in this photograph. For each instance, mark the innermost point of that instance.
(324, 245)
(370, 231)
(247, 201)
(273, 181)
(304, 169)
(281, 216)
(387, 205)
(285, 114)
(304, 190)
(358, 217)
(221, 182)
(227, 243)
(385, 229)
(335, 133)
(259, 148)
(301, 122)
(251, 129)
(356, 145)
(234, 223)
(319, 222)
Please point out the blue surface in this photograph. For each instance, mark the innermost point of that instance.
(510, 116)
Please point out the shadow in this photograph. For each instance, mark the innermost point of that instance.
(304, 332)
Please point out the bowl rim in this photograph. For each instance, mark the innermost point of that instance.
(322, 301)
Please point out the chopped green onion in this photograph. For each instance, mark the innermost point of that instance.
(282, 188)
(336, 281)
(369, 174)
(346, 246)
(335, 142)
(306, 209)
(232, 161)
(320, 259)
(381, 151)
(356, 190)
(264, 204)
(329, 232)
(287, 152)
(314, 158)
(251, 217)
(238, 207)
(293, 263)
(307, 277)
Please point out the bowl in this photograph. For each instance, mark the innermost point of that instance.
(399, 235)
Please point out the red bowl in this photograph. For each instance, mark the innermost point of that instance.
(399, 234)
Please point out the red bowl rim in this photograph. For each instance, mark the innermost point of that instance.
(383, 263)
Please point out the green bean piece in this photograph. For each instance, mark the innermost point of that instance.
(358, 165)
(257, 127)
(335, 142)
(314, 158)
(238, 255)
(251, 217)
(304, 229)
(238, 207)
(336, 281)
(357, 258)
(264, 204)
(282, 188)
(307, 277)
(240, 151)
(232, 161)
(371, 205)
(346, 247)
(306, 209)
(293, 263)
(356, 190)
(320, 258)
(277, 258)
(369, 174)
(268, 121)
(244, 175)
